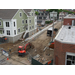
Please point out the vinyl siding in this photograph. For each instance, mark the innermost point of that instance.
(32, 20)
(1, 26)
(19, 20)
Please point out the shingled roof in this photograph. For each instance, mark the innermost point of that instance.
(9, 13)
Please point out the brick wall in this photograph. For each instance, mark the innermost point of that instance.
(60, 50)
(66, 21)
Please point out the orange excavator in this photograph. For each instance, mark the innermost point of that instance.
(22, 49)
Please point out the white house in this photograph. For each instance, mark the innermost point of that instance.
(51, 15)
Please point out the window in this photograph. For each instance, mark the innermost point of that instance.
(32, 14)
(30, 27)
(70, 59)
(8, 32)
(45, 13)
(18, 30)
(0, 23)
(20, 14)
(29, 21)
(26, 28)
(40, 17)
(44, 17)
(42, 14)
(14, 24)
(3, 31)
(26, 21)
(7, 24)
(23, 21)
(14, 32)
(38, 13)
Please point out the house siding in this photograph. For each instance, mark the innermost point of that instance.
(19, 21)
(1, 26)
(32, 20)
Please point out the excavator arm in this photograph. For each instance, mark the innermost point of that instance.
(27, 45)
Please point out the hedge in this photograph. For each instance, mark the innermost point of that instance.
(48, 22)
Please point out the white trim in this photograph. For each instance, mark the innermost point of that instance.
(22, 21)
(20, 30)
(19, 14)
(68, 53)
(25, 21)
(10, 32)
(29, 21)
(1, 23)
(24, 12)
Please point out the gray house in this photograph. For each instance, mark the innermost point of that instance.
(17, 23)
(42, 16)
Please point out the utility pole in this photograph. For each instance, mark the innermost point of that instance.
(53, 26)
(61, 19)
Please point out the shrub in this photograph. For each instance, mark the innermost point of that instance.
(48, 22)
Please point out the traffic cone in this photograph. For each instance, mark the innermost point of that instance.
(7, 58)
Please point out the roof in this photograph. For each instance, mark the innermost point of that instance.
(27, 11)
(66, 35)
(9, 13)
(70, 16)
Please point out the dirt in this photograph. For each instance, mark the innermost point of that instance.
(39, 44)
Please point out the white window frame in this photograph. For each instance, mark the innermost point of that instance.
(1, 23)
(30, 28)
(23, 27)
(22, 21)
(32, 14)
(15, 23)
(7, 30)
(68, 53)
(20, 13)
(7, 25)
(27, 28)
(14, 32)
(18, 29)
(29, 21)
(26, 20)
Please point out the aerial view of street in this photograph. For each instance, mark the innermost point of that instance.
(37, 38)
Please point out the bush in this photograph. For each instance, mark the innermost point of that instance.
(36, 13)
(48, 22)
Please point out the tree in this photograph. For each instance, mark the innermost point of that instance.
(36, 13)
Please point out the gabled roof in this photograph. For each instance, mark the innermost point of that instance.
(9, 13)
(27, 11)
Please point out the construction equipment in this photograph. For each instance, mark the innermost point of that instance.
(51, 45)
(22, 49)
